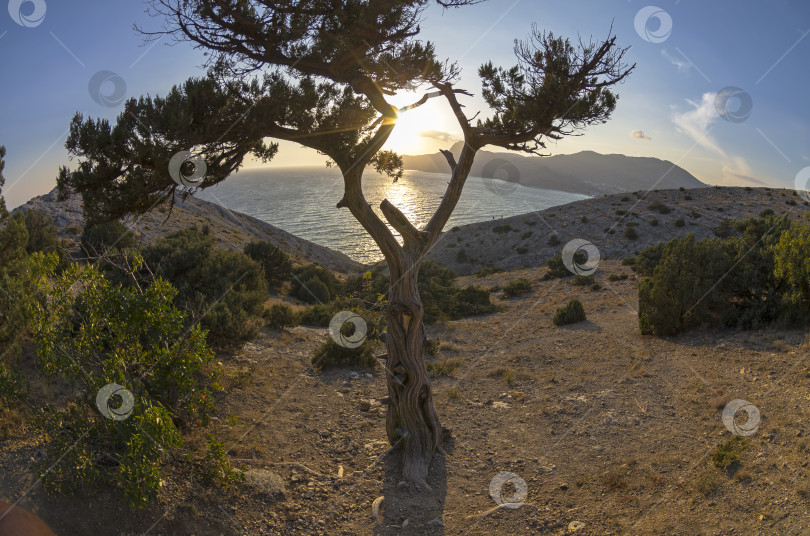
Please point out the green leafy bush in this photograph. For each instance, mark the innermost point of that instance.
(792, 266)
(224, 289)
(571, 313)
(557, 268)
(517, 287)
(332, 354)
(488, 270)
(280, 315)
(41, 232)
(136, 338)
(659, 206)
(99, 238)
(315, 284)
(442, 299)
(679, 222)
(582, 280)
(630, 233)
(276, 263)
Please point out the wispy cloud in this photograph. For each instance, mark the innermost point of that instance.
(639, 135)
(682, 64)
(439, 135)
(697, 123)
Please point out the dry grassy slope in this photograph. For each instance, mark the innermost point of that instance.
(702, 214)
(232, 230)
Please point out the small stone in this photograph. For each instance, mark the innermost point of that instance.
(309, 494)
(364, 405)
(563, 486)
(576, 525)
(435, 523)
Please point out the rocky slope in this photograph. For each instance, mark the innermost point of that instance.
(232, 230)
(526, 240)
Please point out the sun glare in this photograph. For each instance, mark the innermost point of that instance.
(420, 130)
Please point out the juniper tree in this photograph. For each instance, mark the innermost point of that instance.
(321, 73)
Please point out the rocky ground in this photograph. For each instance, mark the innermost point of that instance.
(611, 432)
(527, 240)
(232, 230)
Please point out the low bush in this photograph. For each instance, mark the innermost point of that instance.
(276, 263)
(679, 222)
(630, 233)
(280, 315)
(501, 229)
(571, 313)
(334, 354)
(99, 238)
(659, 206)
(314, 283)
(582, 280)
(557, 268)
(517, 287)
(224, 290)
(488, 270)
(133, 344)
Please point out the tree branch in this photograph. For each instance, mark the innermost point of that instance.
(400, 222)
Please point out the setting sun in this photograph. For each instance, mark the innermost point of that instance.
(424, 129)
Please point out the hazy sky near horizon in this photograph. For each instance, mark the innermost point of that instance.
(675, 106)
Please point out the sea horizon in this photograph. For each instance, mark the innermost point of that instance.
(302, 200)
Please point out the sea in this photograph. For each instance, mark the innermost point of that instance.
(302, 201)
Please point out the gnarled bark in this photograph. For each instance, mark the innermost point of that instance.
(411, 418)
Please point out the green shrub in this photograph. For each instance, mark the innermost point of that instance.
(571, 313)
(679, 222)
(584, 219)
(557, 269)
(659, 206)
(276, 263)
(455, 229)
(442, 299)
(332, 354)
(630, 233)
(280, 315)
(727, 453)
(621, 212)
(41, 232)
(135, 337)
(305, 285)
(517, 287)
(99, 238)
(596, 286)
(461, 256)
(224, 290)
(688, 197)
(554, 240)
(629, 261)
(526, 235)
(488, 270)
(617, 277)
(654, 222)
(520, 250)
(501, 229)
(792, 266)
(582, 280)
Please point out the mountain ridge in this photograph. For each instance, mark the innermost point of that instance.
(586, 172)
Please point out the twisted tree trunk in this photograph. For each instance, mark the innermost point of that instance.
(411, 419)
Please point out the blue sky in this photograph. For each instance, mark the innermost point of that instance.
(667, 109)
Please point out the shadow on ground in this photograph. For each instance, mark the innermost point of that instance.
(410, 511)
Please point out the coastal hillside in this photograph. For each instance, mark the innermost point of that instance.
(531, 239)
(232, 230)
(585, 172)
